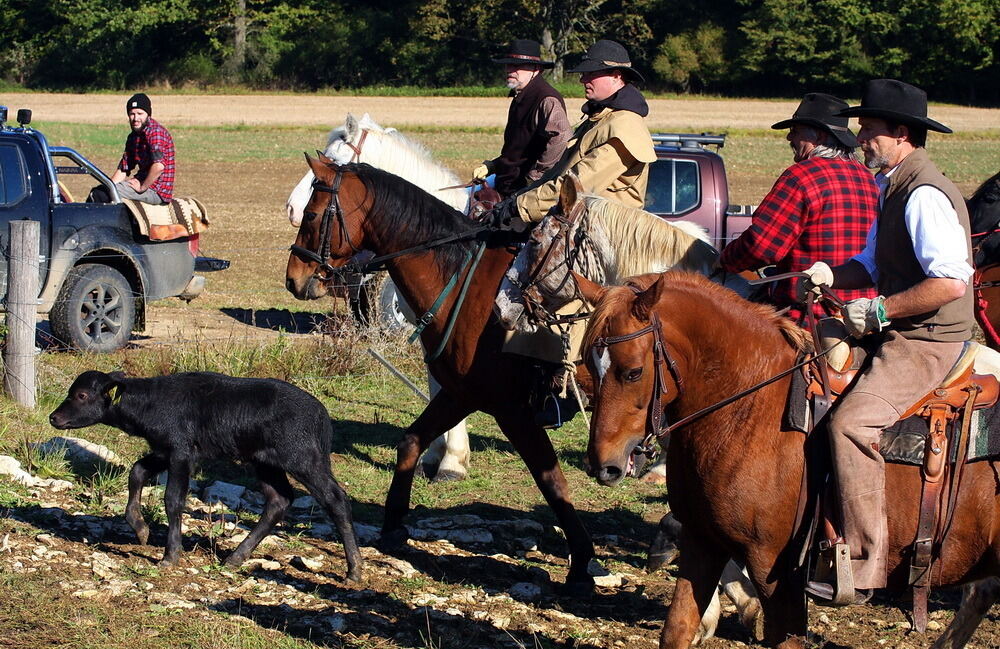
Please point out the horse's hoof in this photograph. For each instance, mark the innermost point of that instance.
(445, 475)
(167, 562)
(354, 575)
(234, 561)
(393, 540)
(658, 560)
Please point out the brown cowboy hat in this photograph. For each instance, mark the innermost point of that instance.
(821, 110)
(895, 101)
(608, 55)
(523, 51)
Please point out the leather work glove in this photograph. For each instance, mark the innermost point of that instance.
(504, 216)
(480, 172)
(820, 274)
(864, 316)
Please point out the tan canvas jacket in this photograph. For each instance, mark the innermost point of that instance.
(610, 152)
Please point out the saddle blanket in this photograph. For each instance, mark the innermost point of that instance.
(181, 217)
(904, 441)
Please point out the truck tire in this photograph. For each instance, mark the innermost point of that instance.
(95, 311)
(378, 304)
(365, 304)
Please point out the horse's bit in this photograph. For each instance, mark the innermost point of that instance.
(333, 210)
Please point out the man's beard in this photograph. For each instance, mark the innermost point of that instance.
(875, 160)
(513, 84)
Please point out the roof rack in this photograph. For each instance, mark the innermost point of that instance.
(690, 140)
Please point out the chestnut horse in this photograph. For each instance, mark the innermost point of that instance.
(360, 207)
(734, 475)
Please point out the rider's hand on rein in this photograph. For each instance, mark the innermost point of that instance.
(864, 316)
(819, 274)
(504, 215)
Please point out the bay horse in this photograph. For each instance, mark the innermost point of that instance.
(363, 140)
(734, 475)
(356, 207)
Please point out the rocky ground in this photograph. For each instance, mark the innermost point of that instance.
(465, 580)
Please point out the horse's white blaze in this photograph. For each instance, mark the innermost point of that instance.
(387, 149)
(602, 361)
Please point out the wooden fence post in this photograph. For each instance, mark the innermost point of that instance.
(22, 307)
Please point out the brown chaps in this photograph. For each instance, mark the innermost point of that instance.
(901, 372)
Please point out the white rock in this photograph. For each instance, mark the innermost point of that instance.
(82, 454)
(451, 522)
(53, 484)
(305, 502)
(933, 625)
(613, 580)
(11, 467)
(224, 492)
(263, 564)
(47, 539)
(309, 564)
(367, 534)
(525, 591)
(428, 599)
(103, 566)
(405, 568)
(334, 623)
(468, 535)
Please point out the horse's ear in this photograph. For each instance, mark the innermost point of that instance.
(350, 126)
(325, 159)
(647, 300)
(317, 166)
(591, 291)
(570, 192)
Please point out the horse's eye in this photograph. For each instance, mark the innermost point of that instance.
(310, 215)
(633, 375)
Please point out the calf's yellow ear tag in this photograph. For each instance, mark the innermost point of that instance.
(114, 395)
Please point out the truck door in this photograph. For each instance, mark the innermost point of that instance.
(18, 200)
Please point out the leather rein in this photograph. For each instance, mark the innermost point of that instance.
(657, 425)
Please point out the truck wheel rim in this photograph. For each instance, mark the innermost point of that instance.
(101, 313)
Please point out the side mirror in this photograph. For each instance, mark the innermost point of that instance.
(24, 117)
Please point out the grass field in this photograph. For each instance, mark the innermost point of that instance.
(241, 156)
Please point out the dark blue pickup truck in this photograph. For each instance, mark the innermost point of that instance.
(97, 271)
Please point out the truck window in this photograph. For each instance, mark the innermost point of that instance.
(674, 186)
(13, 186)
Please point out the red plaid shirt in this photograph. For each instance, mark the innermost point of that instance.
(820, 209)
(151, 144)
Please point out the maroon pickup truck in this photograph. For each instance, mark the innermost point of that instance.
(688, 182)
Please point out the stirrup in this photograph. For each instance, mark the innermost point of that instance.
(838, 568)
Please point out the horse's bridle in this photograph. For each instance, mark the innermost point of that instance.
(657, 426)
(539, 274)
(357, 148)
(333, 210)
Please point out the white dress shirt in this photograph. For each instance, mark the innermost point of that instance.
(938, 238)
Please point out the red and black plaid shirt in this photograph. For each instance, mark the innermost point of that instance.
(820, 209)
(151, 144)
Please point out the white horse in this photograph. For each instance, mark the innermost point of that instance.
(386, 148)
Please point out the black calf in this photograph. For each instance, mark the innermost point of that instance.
(270, 424)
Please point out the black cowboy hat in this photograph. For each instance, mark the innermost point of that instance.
(523, 51)
(608, 55)
(895, 101)
(821, 110)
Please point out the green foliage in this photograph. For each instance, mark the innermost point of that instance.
(949, 47)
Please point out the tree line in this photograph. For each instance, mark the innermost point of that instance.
(730, 47)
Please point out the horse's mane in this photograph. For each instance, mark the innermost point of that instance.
(642, 242)
(983, 220)
(730, 305)
(404, 156)
(409, 216)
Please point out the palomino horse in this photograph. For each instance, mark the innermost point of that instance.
(386, 148)
(734, 475)
(602, 239)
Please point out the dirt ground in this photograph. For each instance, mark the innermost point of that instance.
(320, 110)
